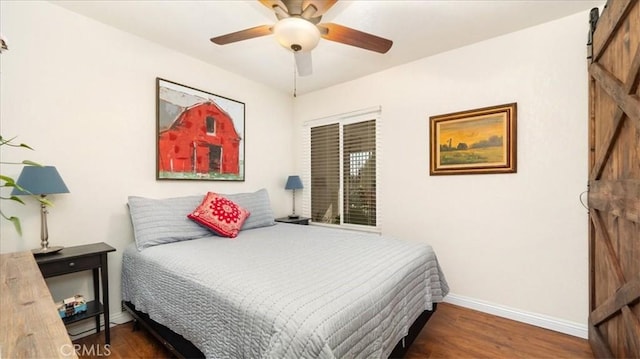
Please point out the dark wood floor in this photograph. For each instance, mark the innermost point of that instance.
(452, 332)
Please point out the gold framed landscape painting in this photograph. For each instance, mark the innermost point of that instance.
(477, 141)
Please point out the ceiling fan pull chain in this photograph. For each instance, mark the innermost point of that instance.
(295, 78)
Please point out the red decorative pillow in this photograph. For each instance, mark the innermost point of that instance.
(220, 215)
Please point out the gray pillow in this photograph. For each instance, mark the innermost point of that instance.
(158, 221)
(258, 204)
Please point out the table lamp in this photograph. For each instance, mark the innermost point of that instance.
(294, 183)
(41, 180)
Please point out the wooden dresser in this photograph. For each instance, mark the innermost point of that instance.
(30, 326)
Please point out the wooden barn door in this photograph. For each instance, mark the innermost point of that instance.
(614, 182)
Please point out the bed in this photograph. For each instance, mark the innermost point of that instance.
(280, 290)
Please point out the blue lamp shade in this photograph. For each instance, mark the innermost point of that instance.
(293, 182)
(40, 180)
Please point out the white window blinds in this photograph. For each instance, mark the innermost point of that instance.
(341, 160)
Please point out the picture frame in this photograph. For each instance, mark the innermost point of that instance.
(479, 141)
(199, 135)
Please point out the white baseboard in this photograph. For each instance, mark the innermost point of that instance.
(88, 327)
(539, 320)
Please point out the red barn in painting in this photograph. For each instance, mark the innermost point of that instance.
(202, 139)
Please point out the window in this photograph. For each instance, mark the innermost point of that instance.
(211, 125)
(342, 170)
(359, 173)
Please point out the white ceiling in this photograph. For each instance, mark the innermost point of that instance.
(417, 29)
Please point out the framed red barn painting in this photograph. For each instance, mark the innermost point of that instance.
(200, 135)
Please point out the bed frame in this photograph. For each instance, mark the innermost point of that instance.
(182, 348)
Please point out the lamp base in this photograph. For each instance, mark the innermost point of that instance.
(45, 251)
(293, 216)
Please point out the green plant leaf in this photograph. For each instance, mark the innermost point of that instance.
(17, 199)
(31, 163)
(7, 179)
(17, 186)
(45, 201)
(16, 224)
(10, 182)
(15, 221)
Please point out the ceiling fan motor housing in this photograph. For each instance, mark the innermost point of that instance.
(296, 34)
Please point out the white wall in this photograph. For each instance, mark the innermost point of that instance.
(82, 94)
(510, 240)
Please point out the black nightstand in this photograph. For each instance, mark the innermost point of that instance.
(81, 258)
(299, 220)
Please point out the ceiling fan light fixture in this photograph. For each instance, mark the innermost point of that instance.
(296, 34)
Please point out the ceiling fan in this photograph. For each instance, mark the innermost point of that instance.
(299, 29)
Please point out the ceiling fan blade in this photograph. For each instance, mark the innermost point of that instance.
(349, 36)
(321, 5)
(271, 3)
(245, 34)
(277, 6)
(280, 12)
(309, 12)
(294, 7)
(303, 63)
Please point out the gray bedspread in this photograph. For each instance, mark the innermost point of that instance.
(286, 291)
